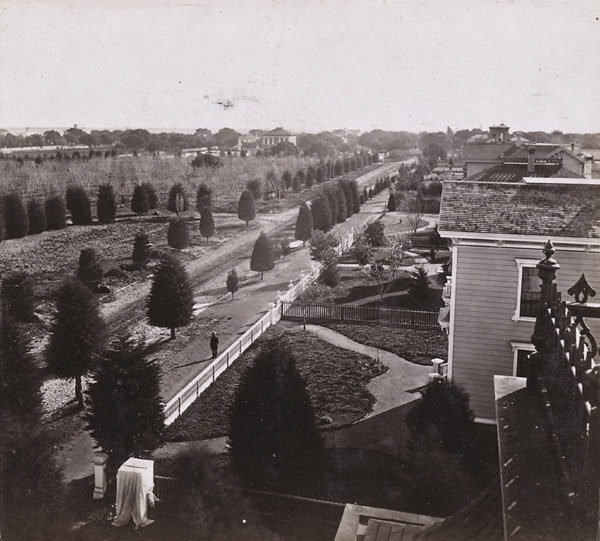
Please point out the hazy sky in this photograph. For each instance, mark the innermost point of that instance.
(302, 64)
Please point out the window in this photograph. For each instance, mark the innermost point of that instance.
(528, 291)
(521, 353)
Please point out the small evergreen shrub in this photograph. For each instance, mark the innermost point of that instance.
(139, 200)
(107, 206)
(37, 217)
(150, 195)
(78, 204)
(177, 201)
(178, 234)
(56, 212)
(17, 293)
(16, 221)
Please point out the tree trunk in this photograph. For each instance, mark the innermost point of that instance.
(172, 333)
(78, 391)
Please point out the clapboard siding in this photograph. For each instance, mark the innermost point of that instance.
(485, 292)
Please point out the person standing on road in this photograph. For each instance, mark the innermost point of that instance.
(214, 344)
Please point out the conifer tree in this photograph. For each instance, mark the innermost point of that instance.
(141, 249)
(106, 206)
(178, 233)
(30, 483)
(232, 282)
(287, 179)
(89, 270)
(420, 287)
(310, 176)
(203, 197)
(330, 196)
(273, 434)
(321, 214)
(78, 204)
(355, 196)
(304, 224)
(124, 407)
(391, 204)
(340, 195)
(320, 175)
(171, 299)
(255, 186)
(246, 211)
(207, 223)
(56, 212)
(263, 258)
(151, 195)
(177, 201)
(139, 200)
(37, 217)
(16, 221)
(17, 296)
(77, 336)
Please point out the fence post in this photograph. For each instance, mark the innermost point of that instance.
(213, 371)
(227, 358)
(251, 335)
(197, 389)
(100, 477)
(342, 313)
(178, 406)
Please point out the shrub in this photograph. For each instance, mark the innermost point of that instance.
(321, 214)
(330, 274)
(420, 289)
(17, 293)
(287, 179)
(107, 206)
(139, 200)
(256, 187)
(141, 249)
(362, 251)
(262, 258)
(150, 194)
(178, 234)
(56, 212)
(78, 204)
(203, 197)
(321, 242)
(304, 224)
(207, 223)
(16, 221)
(391, 204)
(246, 211)
(232, 282)
(37, 217)
(375, 233)
(177, 201)
(89, 271)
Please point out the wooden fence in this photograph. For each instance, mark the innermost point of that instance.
(349, 312)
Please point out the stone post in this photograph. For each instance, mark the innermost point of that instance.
(100, 476)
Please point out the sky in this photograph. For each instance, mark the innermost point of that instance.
(306, 65)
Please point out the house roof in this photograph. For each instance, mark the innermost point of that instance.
(516, 173)
(482, 152)
(549, 210)
(278, 131)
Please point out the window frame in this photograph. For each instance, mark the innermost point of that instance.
(521, 264)
(516, 347)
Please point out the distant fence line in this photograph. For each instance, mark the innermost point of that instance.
(349, 312)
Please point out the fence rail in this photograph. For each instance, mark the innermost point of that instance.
(349, 312)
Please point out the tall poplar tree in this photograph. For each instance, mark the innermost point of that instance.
(304, 224)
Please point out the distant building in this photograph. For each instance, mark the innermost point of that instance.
(276, 136)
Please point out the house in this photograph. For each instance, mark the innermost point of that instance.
(276, 136)
(496, 230)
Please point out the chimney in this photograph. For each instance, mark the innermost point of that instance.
(572, 147)
(587, 166)
(519, 141)
(531, 159)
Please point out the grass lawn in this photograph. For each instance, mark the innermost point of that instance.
(336, 382)
(418, 345)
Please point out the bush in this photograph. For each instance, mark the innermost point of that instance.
(263, 258)
(420, 289)
(16, 221)
(178, 234)
(141, 249)
(330, 275)
(256, 187)
(37, 217)
(304, 224)
(246, 210)
(150, 195)
(374, 232)
(56, 212)
(17, 293)
(78, 204)
(321, 213)
(207, 223)
(321, 242)
(107, 206)
(139, 200)
(89, 271)
(177, 201)
(232, 282)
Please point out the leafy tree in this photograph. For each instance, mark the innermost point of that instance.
(16, 221)
(89, 271)
(30, 483)
(391, 204)
(78, 204)
(362, 251)
(124, 408)
(419, 288)
(177, 201)
(330, 274)
(246, 211)
(77, 336)
(273, 434)
(56, 212)
(414, 208)
(256, 187)
(263, 257)
(321, 214)
(141, 249)
(139, 200)
(287, 179)
(37, 217)
(107, 206)
(375, 233)
(207, 223)
(171, 299)
(203, 197)
(17, 296)
(232, 282)
(178, 234)
(151, 195)
(304, 224)
(319, 244)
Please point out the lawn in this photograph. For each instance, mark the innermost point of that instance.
(336, 381)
